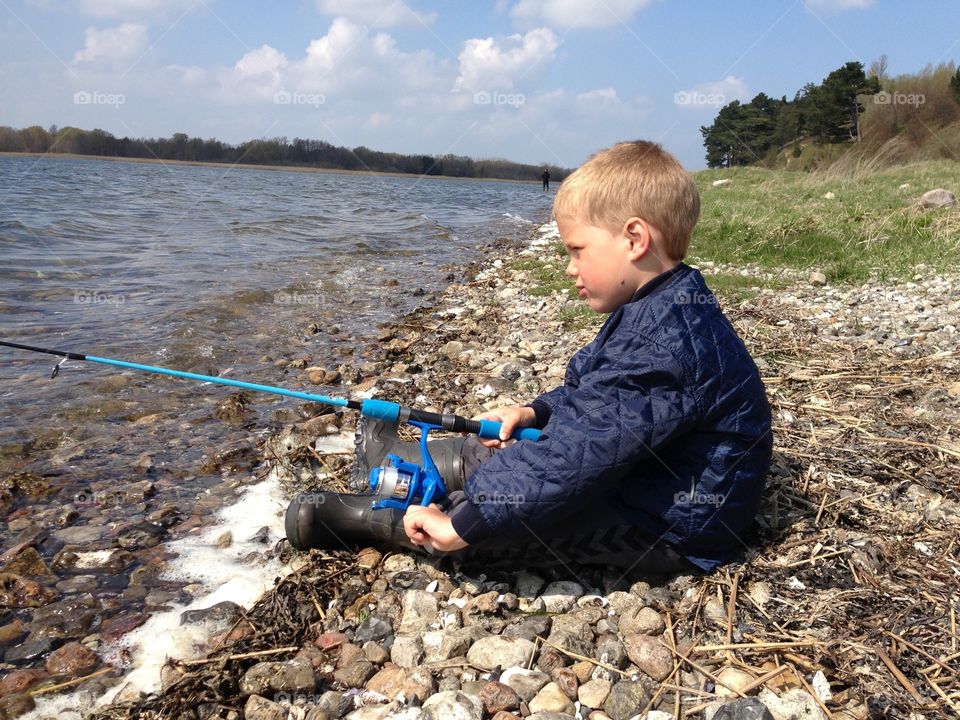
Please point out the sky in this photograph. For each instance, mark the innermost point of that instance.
(539, 81)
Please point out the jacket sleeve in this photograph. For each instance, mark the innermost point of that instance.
(616, 417)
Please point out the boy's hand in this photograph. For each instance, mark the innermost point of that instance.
(513, 417)
(431, 527)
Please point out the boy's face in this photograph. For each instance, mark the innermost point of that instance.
(601, 264)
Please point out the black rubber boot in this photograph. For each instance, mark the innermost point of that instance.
(374, 439)
(337, 521)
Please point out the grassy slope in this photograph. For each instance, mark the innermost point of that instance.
(780, 219)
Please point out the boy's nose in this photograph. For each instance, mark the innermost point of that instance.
(571, 269)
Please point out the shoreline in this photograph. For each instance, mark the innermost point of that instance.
(249, 166)
(493, 340)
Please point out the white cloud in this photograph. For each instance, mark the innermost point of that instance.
(713, 95)
(601, 96)
(377, 13)
(114, 45)
(487, 65)
(265, 60)
(576, 13)
(839, 5)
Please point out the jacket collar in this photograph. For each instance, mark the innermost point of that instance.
(652, 286)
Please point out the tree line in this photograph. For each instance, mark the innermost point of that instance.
(265, 151)
(829, 113)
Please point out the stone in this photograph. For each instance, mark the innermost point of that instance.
(626, 699)
(451, 705)
(552, 699)
(567, 681)
(220, 616)
(419, 611)
(793, 704)
(721, 183)
(817, 278)
(938, 198)
(496, 651)
(330, 641)
(732, 681)
(369, 558)
(504, 715)
(12, 706)
(12, 632)
(17, 591)
(27, 562)
(288, 676)
(529, 627)
(560, 596)
(113, 628)
(648, 654)
(526, 683)
(375, 653)
(18, 681)
(622, 602)
(497, 696)
(28, 650)
(72, 659)
(640, 620)
(528, 585)
(355, 674)
(411, 683)
(373, 628)
(439, 645)
(259, 708)
(407, 651)
(593, 693)
(741, 709)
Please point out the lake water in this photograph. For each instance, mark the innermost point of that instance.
(207, 269)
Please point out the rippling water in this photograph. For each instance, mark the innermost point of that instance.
(208, 269)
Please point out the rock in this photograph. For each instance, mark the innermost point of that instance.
(451, 705)
(407, 651)
(12, 632)
(721, 183)
(442, 645)
(526, 683)
(373, 628)
(17, 591)
(375, 653)
(419, 611)
(224, 540)
(552, 699)
(794, 704)
(411, 683)
(72, 659)
(369, 558)
(113, 628)
(452, 349)
(567, 681)
(504, 715)
(528, 585)
(529, 627)
(561, 596)
(259, 708)
(28, 563)
(742, 709)
(626, 699)
(27, 651)
(623, 602)
(288, 676)
(732, 682)
(649, 655)
(19, 681)
(331, 641)
(219, 617)
(594, 693)
(817, 278)
(640, 620)
(938, 198)
(354, 674)
(496, 651)
(497, 696)
(12, 706)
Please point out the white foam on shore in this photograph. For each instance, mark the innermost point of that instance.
(222, 574)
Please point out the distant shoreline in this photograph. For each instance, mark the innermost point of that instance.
(251, 166)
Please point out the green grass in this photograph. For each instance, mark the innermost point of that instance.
(546, 276)
(870, 228)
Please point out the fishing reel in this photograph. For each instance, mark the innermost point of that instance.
(400, 484)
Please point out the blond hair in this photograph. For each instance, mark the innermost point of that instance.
(633, 179)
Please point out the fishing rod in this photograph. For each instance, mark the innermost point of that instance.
(376, 409)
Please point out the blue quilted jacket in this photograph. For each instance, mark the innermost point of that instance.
(664, 410)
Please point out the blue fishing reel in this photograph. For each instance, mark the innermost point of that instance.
(400, 484)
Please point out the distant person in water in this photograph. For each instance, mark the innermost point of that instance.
(546, 179)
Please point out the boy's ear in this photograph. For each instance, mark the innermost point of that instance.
(638, 233)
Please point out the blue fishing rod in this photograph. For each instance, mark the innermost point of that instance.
(383, 410)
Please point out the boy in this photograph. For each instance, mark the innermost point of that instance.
(654, 451)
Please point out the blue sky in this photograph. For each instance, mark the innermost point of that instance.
(529, 80)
